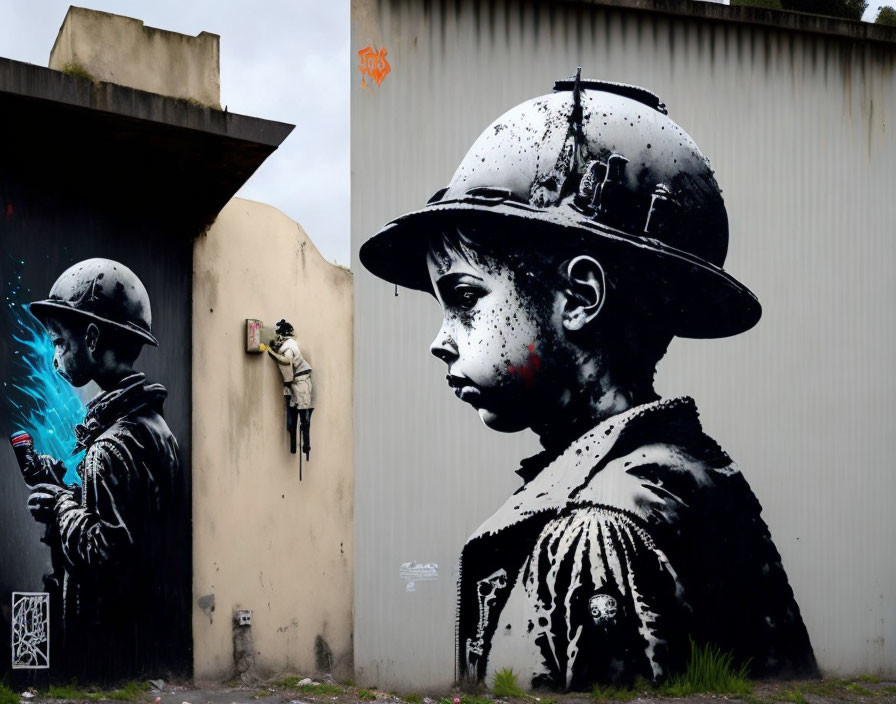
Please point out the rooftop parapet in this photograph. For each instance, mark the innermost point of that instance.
(123, 50)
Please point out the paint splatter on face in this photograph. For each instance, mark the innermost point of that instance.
(494, 338)
(528, 370)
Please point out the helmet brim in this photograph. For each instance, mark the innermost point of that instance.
(43, 309)
(705, 301)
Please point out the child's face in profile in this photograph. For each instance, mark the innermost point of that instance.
(498, 344)
(71, 358)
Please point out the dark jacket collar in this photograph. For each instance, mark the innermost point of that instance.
(132, 394)
(553, 479)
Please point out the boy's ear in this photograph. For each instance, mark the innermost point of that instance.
(92, 336)
(585, 292)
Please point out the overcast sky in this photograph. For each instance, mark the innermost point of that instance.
(874, 7)
(284, 60)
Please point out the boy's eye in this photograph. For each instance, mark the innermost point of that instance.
(466, 296)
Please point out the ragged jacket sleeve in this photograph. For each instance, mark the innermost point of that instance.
(44, 470)
(602, 596)
(95, 532)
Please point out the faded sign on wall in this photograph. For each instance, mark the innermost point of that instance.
(581, 233)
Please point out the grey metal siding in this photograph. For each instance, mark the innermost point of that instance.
(799, 128)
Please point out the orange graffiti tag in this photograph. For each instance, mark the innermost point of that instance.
(373, 64)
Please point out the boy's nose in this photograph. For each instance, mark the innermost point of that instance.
(444, 346)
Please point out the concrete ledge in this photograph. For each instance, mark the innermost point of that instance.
(793, 21)
(135, 151)
(46, 84)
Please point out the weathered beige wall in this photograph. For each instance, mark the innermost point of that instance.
(123, 50)
(262, 540)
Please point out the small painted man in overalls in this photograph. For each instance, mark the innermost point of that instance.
(296, 374)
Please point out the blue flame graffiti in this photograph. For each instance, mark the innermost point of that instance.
(40, 401)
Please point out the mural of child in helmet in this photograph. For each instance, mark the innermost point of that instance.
(107, 532)
(581, 233)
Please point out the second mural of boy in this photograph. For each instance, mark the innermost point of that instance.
(582, 232)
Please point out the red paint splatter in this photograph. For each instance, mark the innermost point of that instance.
(9, 210)
(527, 371)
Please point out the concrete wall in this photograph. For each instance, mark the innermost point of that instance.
(798, 125)
(262, 540)
(123, 50)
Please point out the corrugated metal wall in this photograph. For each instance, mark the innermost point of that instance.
(799, 130)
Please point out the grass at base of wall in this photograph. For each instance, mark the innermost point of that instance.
(128, 692)
(7, 696)
(506, 684)
(324, 689)
(854, 689)
(709, 671)
(607, 693)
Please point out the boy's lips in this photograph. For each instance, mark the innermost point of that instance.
(464, 389)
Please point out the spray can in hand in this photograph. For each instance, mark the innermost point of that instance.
(23, 447)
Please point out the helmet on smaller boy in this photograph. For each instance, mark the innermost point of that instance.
(597, 163)
(104, 291)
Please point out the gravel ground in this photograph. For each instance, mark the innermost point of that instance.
(296, 690)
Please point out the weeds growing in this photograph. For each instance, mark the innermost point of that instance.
(325, 689)
(614, 694)
(78, 71)
(710, 671)
(856, 688)
(128, 692)
(506, 685)
(7, 696)
(794, 696)
(288, 682)
(474, 699)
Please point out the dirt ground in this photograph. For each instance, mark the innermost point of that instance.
(295, 690)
